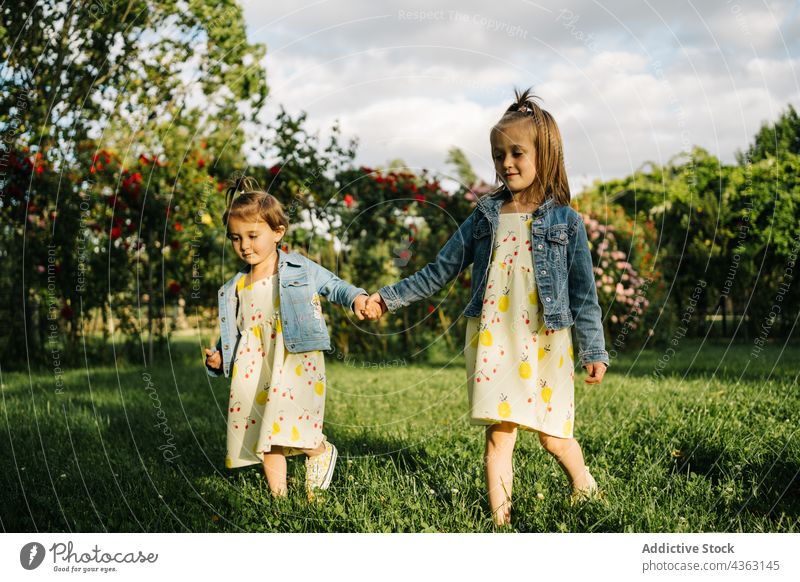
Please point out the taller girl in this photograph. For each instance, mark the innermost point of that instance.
(532, 279)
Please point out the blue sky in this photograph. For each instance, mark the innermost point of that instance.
(628, 82)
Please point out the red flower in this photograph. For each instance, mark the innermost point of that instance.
(174, 288)
(144, 160)
(92, 170)
(116, 232)
(419, 197)
(200, 163)
(178, 226)
(275, 169)
(431, 309)
(39, 169)
(348, 200)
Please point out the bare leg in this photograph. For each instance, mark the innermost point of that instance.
(275, 471)
(569, 455)
(317, 451)
(500, 439)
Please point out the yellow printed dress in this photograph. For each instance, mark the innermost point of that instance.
(276, 397)
(517, 370)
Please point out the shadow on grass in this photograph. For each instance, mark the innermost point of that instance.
(765, 488)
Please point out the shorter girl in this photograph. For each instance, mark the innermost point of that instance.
(272, 337)
(532, 279)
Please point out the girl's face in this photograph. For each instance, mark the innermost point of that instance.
(513, 155)
(253, 241)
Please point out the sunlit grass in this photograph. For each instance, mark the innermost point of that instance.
(710, 446)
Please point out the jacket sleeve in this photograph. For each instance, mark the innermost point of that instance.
(583, 301)
(333, 288)
(455, 256)
(216, 372)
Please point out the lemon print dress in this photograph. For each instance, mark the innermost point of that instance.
(276, 397)
(518, 370)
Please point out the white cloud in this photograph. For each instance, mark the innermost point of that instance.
(627, 82)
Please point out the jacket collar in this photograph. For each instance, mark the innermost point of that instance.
(283, 259)
(491, 203)
(288, 258)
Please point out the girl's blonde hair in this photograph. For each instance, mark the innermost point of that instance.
(551, 174)
(246, 200)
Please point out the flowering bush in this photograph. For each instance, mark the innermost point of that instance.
(626, 281)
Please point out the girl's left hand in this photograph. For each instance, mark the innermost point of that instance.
(360, 307)
(596, 371)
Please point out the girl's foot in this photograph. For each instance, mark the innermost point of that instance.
(587, 492)
(319, 469)
(502, 517)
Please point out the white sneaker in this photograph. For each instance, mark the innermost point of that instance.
(319, 469)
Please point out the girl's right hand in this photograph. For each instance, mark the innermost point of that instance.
(376, 307)
(213, 360)
(596, 371)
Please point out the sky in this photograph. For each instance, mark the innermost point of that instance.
(629, 82)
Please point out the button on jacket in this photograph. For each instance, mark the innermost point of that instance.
(304, 328)
(561, 258)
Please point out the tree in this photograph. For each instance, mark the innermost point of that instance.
(86, 81)
(774, 140)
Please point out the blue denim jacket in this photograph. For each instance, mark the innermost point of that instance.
(304, 328)
(561, 259)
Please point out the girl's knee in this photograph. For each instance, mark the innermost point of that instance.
(554, 445)
(502, 433)
(502, 429)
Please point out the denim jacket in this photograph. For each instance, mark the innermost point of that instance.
(561, 259)
(300, 280)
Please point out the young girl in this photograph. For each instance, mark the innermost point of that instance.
(531, 280)
(272, 337)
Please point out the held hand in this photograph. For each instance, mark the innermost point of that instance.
(360, 307)
(213, 360)
(376, 307)
(596, 371)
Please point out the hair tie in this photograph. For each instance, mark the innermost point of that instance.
(230, 194)
(240, 184)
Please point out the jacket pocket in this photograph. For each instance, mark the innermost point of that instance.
(557, 234)
(296, 280)
(557, 240)
(481, 228)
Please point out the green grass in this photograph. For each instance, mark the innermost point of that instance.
(711, 446)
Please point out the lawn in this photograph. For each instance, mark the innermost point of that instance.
(710, 446)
